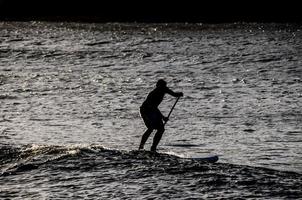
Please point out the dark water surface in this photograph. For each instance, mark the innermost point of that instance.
(69, 120)
(96, 172)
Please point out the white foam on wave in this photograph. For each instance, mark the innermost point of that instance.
(180, 155)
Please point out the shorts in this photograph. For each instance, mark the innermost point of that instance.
(152, 118)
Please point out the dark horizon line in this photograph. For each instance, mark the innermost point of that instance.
(154, 19)
(151, 11)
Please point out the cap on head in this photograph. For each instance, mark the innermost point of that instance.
(161, 83)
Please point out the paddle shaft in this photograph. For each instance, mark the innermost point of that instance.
(172, 109)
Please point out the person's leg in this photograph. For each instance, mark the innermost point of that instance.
(147, 117)
(145, 138)
(157, 137)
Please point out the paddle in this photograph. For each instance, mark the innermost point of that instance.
(172, 109)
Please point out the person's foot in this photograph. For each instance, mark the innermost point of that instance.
(153, 149)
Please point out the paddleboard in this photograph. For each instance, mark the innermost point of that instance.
(209, 159)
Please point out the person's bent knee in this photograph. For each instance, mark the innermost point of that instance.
(161, 129)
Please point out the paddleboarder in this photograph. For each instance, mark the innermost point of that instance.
(152, 116)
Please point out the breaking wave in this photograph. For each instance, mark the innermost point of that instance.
(137, 173)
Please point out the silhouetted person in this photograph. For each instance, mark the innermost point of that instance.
(151, 115)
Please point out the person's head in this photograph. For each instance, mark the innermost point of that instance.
(161, 83)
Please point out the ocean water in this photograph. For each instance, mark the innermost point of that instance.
(69, 113)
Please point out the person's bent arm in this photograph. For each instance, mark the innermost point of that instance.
(174, 94)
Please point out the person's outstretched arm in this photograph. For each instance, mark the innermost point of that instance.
(174, 94)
